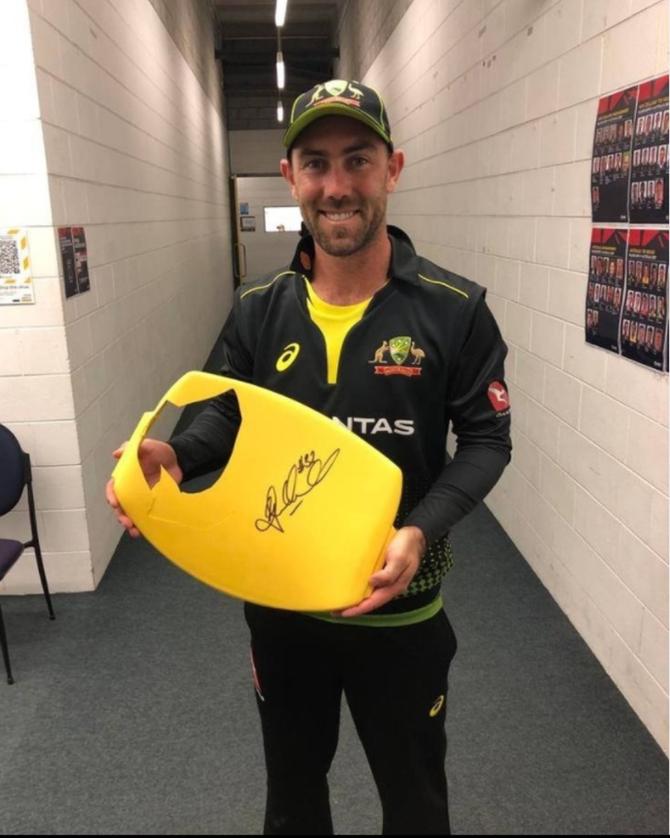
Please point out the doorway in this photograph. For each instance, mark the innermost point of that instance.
(267, 223)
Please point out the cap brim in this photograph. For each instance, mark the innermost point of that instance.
(334, 109)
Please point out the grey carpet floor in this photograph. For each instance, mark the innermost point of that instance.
(134, 713)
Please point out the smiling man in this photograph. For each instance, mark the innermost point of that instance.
(342, 189)
(389, 344)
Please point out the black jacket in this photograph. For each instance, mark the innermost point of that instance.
(426, 352)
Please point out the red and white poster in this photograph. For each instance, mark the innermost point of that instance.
(605, 289)
(612, 153)
(627, 291)
(649, 174)
(67, 259)
(80, 259)
(74, 258)
(644, 321)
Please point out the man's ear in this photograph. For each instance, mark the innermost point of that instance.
(396, 162)
(287, 173)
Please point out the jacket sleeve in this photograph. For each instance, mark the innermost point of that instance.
(208, 441)
(478, 408)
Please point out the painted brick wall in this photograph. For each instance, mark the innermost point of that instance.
(190, 27)
(494, 102)
(257, 151)
(135, 151)
(364, 28)
(36, 398)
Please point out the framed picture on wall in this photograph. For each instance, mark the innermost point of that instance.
(248, 223)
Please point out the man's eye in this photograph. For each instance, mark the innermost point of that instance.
(359, 162)
(314, 164)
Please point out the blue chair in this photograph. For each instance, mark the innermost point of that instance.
(15, 474)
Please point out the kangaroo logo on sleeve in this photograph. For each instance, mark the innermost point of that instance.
(498, 396)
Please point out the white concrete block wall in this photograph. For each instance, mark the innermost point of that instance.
(36, 399)
(257, 152)
(494, 102)
(135, 152)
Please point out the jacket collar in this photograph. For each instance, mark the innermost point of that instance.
(403, 256)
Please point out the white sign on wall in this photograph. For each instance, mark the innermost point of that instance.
(16, 281)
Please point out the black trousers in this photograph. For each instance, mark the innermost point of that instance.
(395, 682)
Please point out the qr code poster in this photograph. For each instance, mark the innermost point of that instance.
(16, 281)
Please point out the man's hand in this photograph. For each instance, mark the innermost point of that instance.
(152, 455)
(403, 556)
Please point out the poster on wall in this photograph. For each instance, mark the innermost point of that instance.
(67, 258)
(16, 281)
(612, 151)
(605, 288)
(80, 259)
(649, 174)
(644, 323)
(74, 258)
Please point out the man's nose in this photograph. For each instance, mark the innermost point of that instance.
(337, 184)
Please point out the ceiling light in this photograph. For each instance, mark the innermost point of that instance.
(280, 12)
(281, 71)
(280, 111)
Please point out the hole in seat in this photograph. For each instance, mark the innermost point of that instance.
(173, 420)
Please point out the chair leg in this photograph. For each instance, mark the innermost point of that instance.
(35, 543)
(43, 578)
(5, 650)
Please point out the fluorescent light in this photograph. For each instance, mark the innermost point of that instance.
(280, 12)
(281, 70)
(280, 111)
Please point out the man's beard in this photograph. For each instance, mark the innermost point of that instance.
(342, 243)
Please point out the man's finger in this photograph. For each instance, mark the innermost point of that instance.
(388, 575)
(128, 525)
(110, 495)
(378, 598)
(119, 451)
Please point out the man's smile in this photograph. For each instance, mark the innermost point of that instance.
(338, 216)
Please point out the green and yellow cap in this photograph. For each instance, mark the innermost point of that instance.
(339, 97)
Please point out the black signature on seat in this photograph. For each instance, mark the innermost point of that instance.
(302, 478)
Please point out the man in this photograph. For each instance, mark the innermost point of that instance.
(383, 341)
(658, 193)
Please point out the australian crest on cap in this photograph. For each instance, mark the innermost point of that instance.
(335, 90)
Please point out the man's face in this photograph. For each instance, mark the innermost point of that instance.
(340, 174)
